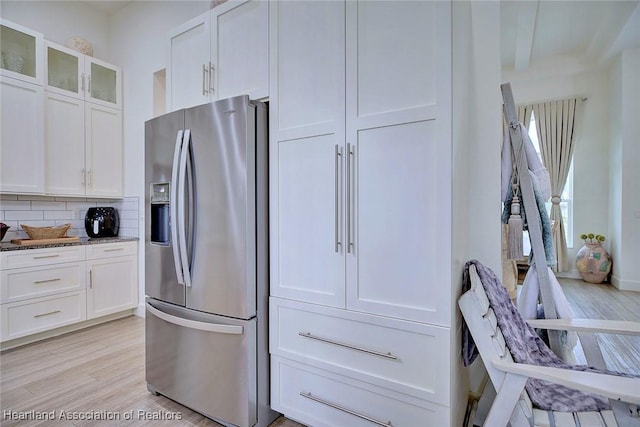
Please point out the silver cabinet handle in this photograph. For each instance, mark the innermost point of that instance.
(351, 155)
(89, 179)
(387, 355)
(47, 314)
(204, 79)
(114, 250)
(83, 172)
(338, 156)
(46, 256)
(89, 85)
(211, 70)
(343, 409)
(82, 83)
(39, 282)
(90, 279)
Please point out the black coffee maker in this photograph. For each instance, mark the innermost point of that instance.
(102, 222)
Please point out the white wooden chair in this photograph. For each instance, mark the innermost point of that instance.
(512, 403)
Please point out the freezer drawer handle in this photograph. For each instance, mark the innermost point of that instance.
(388, 355)
(193, 324)
(343, 409)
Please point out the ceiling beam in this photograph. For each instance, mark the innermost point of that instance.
(611, 25)
(525, 29)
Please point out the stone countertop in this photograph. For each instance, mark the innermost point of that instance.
(8, 246)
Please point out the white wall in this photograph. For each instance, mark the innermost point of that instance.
(625, 174)
(591, 155)
(476, 138)
(59, 20)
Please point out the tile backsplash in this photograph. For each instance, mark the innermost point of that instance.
(42, 211)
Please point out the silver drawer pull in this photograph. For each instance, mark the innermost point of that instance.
(343, 409)
(46, 256)
(114, 249)
(38, 282)
(388, 355)
(47, 314)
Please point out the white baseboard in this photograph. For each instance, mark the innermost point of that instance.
(625, 285)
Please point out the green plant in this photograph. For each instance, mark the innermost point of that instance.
(592, 238)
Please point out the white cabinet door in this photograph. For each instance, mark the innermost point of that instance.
(310, 263)
(112, 285)
(189, 63)
(22, 131)
(306, 151)
(64, 71)
(65, 172)
(399, 125)
(103, 83)
(104, 158)
(239, 49)
(21, 53)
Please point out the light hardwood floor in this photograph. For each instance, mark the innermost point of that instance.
(99, 370)
(102, 368)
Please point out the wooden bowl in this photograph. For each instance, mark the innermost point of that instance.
(39, 233)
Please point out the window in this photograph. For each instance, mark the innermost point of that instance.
(566, 198)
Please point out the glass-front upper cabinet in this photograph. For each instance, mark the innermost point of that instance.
(104, 84)
(74, 74)
(64, 71)
(21, 52)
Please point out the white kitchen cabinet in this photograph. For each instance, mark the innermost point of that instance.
(48, 288)
(22, 144)
(83, 125)
(360, 153)
(41, 289)
(220, 54)
(80, 76)
(112, 270)
(84, 148)
(104, 160)
(375, 167)
(21, 55)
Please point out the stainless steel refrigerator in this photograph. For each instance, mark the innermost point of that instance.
(206, 261)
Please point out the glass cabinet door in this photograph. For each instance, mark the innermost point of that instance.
(64, 67)
(21, 52)
(104, 83)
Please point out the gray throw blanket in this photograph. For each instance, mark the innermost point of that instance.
(527, 347)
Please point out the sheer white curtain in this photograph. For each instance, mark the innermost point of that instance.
(556, 126)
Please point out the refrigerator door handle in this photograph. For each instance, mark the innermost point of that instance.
(173, 214)
(182, 235)
(193, 324)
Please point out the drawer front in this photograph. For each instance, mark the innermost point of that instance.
(323, 399)
(404, 356)
(36, 257)
(22, 283)
(40, 314)
(110, 250)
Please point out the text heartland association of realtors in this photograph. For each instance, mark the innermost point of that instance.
(90, 415)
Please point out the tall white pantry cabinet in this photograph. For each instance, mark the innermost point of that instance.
(360, 214)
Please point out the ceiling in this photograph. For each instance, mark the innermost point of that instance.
(585, 31)
(109, 7)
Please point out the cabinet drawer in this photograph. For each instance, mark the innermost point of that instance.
(40, 314)
(321, 398)
(36, 257)
(407, 357)
(110, 250)
(22, 283)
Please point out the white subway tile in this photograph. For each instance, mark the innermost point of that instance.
(33, 197)
(8, 197)
(16, 205)
(48, 206)
(70, 199)
(24, 215)
(65, 215)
